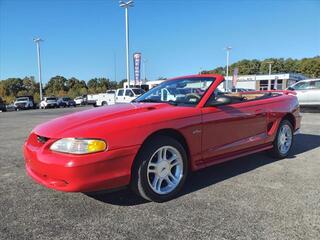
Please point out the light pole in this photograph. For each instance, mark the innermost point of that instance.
(126, 5)
(228, 49)
(37, 41)
(269, 81)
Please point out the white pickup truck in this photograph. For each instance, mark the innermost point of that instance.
(24, 102)
(121, 95)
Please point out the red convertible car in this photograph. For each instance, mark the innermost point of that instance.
(183, 124)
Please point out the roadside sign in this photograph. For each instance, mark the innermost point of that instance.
(137, 64)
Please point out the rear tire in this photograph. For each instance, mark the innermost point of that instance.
(284, 139)
(160, 169)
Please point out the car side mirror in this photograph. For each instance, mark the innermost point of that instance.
(219, 101)
(291, 88)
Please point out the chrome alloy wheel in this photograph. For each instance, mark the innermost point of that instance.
(284, 139)
(165, 170)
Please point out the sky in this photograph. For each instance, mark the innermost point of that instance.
(86, 38)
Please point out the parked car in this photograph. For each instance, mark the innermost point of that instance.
(24, 102)
(49, 102)
(3, 107)
(152, 144)
(66, 102)
(80, 100)
(11, 107)
(308, 92)
(121, 95)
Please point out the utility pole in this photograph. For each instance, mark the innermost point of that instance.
(37, 41)
(228, 49)
(269, 80)
(126, 5)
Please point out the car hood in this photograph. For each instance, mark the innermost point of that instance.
(73, 125)
(20, 102)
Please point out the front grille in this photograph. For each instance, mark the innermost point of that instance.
(20, 104)
(42, 139)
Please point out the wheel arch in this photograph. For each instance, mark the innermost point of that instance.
(170, 132)
(290, 117)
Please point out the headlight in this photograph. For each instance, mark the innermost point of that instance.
(78, 146)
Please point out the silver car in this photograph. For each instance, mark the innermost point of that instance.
(308, 92)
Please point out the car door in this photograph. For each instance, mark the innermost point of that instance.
(232, 128)
(303, 92)
(313, 96)
(120, 96)
(317, 92)
(129, 96)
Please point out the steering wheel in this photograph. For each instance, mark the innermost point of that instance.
(191, 96)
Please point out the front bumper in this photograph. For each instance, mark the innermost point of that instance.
(51, 105)
(78, 173)
(20, 106)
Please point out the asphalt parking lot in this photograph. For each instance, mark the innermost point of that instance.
(253, 197)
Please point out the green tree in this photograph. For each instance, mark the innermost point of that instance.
(99, 85)
(307, 66)
(218, 70)
(75, 83)
(56, 86)
(30, 86)
(13, 86)
(310, 67)
(120, 84)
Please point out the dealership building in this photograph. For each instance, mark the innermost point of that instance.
(267, 82)
(255, 82)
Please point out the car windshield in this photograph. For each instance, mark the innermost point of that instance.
(51, 99)
(138, 91)
(184, 91)
(22, 99)
(66, 99)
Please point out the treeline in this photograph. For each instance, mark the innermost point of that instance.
(310, 67)
(57, 86)
(73, 87)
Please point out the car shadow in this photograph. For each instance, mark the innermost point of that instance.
(214, 174)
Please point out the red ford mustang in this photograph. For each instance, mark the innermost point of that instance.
(182, 125)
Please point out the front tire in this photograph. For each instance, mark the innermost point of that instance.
(160, 169)
(283, 141)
